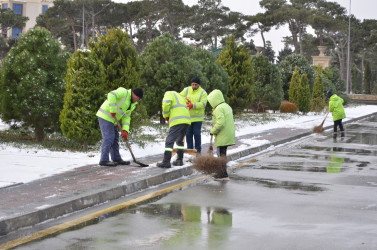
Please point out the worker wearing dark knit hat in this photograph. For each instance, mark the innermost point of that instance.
(196, 102)
(119, 104)
(337, 110)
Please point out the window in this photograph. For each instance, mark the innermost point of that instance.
(44, 8)
(17, 8)
(4, 6)
(4, 33)
(16, 32)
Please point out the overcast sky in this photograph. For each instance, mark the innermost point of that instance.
(362, 9)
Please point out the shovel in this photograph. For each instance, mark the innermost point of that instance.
(129, 147)
(210, 148)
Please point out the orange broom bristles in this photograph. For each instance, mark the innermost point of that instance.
(209, 164)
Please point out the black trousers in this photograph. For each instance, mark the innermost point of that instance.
(340, 124)
(221, 151)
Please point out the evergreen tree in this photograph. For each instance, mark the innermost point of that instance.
(122, 69)
(318, 98)
(32, 86)
(303, 97)
(266, 82)
(236, 61)
(367, 79)
(214, 76)
(119, 57)
(287, 66)
(293, 86)
(166, 63)
(84, 92)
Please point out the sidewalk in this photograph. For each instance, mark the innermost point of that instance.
(34, 202)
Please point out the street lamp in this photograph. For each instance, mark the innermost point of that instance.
(349, 90)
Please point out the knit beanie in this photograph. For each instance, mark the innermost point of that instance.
(138, 92)
(196, 80)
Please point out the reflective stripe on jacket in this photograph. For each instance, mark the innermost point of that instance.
(336, 107)
(119, 102)
(174, 107)
(222, 120)
(199, 99)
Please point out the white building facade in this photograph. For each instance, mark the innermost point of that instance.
(29, 8)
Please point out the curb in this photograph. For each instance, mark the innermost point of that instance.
(32, 218)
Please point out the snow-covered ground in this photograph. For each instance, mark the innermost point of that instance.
(28, 164)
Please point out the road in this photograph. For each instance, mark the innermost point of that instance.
(316, 193)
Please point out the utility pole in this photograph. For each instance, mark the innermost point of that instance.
(348, 89)
(83, 27)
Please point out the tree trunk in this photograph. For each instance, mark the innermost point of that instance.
(294, 31)
(39, 133)
(85, 146)
(300, 37)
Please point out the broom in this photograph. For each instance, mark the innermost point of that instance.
(319, 129)
(208, 164)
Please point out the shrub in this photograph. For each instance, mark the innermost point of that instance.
(317, 104)
(287, 107)
(303, 97)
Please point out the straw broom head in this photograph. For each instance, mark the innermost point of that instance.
(209, 164)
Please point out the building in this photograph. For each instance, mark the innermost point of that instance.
(29, 8)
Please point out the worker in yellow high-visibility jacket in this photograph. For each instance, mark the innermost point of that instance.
(174, 110)
(120, 103)
(197, 101)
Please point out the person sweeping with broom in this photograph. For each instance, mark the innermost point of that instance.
(174, 110)
(222, 127)
(337, 110)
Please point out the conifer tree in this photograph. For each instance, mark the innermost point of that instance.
(119, 57)
(83, 96)
(236, 61)
(32, 86)
(266, 83)
(166, 62)
(317, 102)
(122, 69)
(303, 97)
(367, 78)
(293, 86)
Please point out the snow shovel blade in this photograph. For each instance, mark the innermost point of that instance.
(129, 147)
(133, 157)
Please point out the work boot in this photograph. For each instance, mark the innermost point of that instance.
(198, 154)
(342, 134)
(121, 162)
(166, 161)
(223, 176)
(108, 163)
(334, 136)
(179, 161)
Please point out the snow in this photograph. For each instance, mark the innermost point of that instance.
(25, 164)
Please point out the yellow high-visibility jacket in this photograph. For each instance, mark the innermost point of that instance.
(199, 99)
(119, 102)
(174, 107)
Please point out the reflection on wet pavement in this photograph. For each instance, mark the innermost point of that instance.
(271, 183)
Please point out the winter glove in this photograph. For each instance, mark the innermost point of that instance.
(190, 105)
(188, 100)
(124, 134)
(167, 119)
(113, 114)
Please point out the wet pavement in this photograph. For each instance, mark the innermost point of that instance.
(314, 193)
(35, 202)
